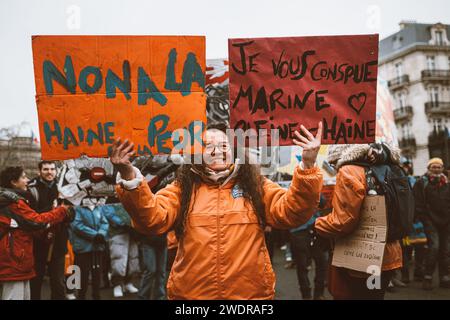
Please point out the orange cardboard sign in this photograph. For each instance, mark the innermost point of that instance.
(93, 89)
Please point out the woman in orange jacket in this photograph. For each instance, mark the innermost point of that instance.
(349, 194)
(218, 211)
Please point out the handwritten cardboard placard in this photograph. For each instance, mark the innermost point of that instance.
(280, 83)
(365, 246)
(372, 221)
(92, 89)
(359, 255)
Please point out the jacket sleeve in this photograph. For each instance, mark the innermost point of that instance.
(290, 208)
(349, 195)
(52, 217)
(104, 226)
(35, 195)
(113, 219)
(80, 227)
(151, 213)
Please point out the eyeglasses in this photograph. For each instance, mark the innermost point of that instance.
(222, 147)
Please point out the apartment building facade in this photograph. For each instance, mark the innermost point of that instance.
(416, 63)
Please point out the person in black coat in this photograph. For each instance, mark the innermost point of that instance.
(50, 246)
(432, 198)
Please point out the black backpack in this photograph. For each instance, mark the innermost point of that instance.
(391, 181)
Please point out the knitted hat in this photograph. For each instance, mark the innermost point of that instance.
(435, 161)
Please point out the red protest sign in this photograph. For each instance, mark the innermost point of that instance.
(281, 83)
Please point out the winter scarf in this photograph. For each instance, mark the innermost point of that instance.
(213, 177)
(437, 180)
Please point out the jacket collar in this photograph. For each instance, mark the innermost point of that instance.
(46, 183)
(8, 196)
(439, 180)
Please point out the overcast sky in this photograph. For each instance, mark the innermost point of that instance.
(217, 20)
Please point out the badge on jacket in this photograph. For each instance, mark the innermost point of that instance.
(237, 192)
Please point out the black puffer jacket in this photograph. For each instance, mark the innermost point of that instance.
(44, 195)
(432, 201)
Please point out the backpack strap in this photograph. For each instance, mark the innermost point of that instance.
(374, 177)
(369, 179)
(34, 193)
(425, 182)
(380, 172)
(8, 196)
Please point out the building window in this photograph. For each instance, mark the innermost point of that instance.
(431, 63)
(397, 43)
(439, 35)
(434, 94)
(407, 131)
(437, 125)
(398, 69)
(439, 38)
(401, 100)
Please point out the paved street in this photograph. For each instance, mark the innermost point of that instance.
(287, 287)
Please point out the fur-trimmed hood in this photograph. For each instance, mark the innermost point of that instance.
(348, 153)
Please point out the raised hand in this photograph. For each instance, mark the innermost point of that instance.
(120, 158)
(310, 144)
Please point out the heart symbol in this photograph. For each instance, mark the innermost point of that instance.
(357, 102)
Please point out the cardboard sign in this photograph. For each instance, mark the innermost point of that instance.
(365, 246)
(92, 89)
(373, 221)
(281, 83)
(358, 255)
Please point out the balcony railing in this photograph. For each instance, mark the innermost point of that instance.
(436, 75)
(398, 82)
(437, 108)
(408, 145)
(403, 113)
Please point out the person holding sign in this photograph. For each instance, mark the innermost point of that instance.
(352, 188)
(219, 211)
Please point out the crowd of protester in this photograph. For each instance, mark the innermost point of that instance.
(177, 242)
